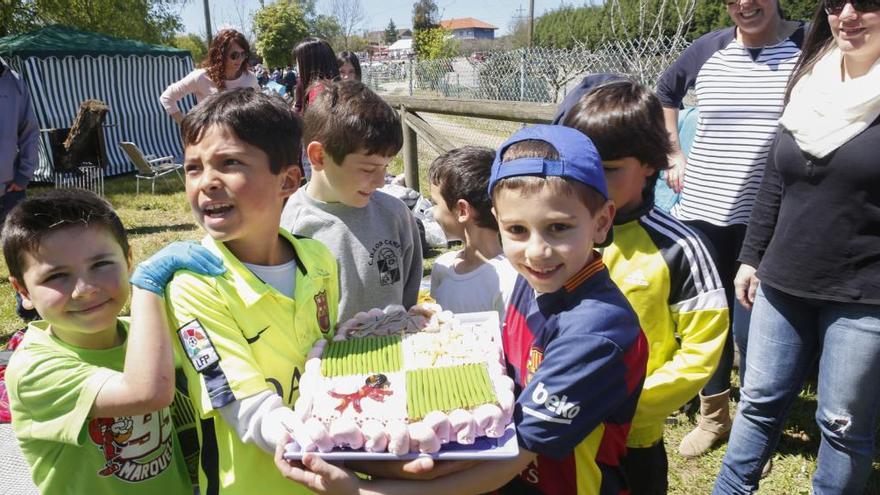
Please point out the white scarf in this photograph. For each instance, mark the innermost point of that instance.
(824, 112)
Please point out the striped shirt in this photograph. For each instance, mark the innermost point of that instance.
(739, 92)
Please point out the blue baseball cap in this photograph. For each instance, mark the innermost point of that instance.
(578, 158)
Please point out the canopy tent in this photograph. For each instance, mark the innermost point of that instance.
(64, 66)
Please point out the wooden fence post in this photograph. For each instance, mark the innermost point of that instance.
(410, 152)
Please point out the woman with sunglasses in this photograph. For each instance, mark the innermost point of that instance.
(739, 75)
(814, 237)
(225, 67)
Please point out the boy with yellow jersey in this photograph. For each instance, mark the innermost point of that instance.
(246, 334)
(663, 267)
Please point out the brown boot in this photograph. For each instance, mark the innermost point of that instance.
(714, 425)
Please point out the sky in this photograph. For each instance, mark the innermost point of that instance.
(500, 13)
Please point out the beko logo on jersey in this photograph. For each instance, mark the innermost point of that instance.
(563, 410)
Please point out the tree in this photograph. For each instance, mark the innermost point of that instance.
(519, 32)
(799, 10)
(425, 15)
(192, 42)
(349, 14)
(150, 21)
(390, 32)
(358, 43)
(568, 27)
(326, 28)
(647, 19)
(434, 43)
(278, 27)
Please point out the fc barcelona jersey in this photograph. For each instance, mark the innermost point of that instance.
(578, 359)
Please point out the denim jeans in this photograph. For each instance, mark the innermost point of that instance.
(787, 334)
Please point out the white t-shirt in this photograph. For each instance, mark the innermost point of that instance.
(197, 82)
(487, 288)
(282, 277)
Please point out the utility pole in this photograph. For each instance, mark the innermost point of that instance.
(208, 33)
(531, 21)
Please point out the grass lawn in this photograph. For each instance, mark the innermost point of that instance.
(155, 220)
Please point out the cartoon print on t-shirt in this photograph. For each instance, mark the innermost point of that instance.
(135, 448)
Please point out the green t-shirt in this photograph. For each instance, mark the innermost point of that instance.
(52, 386)
(238, 337)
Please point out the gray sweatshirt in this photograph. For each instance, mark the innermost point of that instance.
(377, 247)
(19, 132)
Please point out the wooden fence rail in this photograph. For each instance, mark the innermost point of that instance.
(415, 128)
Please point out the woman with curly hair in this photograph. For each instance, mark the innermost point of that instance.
(225, 67)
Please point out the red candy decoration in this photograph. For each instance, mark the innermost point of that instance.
(376, 389)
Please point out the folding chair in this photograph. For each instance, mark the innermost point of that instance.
(148, 166)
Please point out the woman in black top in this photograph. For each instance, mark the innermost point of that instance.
(814, 238)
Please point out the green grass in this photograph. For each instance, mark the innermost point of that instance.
(155, 220)
(793, 463)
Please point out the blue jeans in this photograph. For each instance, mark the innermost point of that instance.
(787, 334)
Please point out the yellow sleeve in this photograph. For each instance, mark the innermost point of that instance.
(702, 333)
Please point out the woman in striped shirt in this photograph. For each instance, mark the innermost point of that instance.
(739, 76)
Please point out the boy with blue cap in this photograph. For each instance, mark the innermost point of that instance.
(572, 342)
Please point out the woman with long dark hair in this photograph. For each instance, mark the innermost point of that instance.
(225, 67)
(317, 67)
(811, 260)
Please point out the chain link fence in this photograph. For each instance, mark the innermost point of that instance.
(536, 74)
(543, 75)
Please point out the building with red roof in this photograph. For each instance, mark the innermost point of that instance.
(468, 28)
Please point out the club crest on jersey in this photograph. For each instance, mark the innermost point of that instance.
(536, 356)
(197, 345)
(322, 311)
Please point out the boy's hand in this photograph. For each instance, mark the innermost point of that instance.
(420, 468)
(316, 474)
(152, 275)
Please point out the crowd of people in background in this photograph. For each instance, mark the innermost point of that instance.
(772, 248)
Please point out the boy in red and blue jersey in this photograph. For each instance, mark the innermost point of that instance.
(573, 343)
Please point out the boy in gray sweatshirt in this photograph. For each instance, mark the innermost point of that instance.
(350, 135)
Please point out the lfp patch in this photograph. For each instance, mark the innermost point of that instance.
(197, 345)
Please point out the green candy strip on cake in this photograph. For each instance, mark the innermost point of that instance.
(358, 356)
(448, 388)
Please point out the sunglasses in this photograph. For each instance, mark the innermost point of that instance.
(237, 55)
(835, 7)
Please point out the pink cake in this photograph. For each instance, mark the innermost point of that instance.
(402, 382)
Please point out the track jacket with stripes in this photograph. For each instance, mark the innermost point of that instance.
(666, 272)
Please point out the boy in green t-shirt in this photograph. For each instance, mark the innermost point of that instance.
(244, 336)
(90, 414)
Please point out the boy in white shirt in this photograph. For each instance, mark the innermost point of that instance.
(477, 277)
